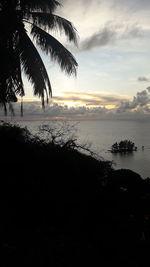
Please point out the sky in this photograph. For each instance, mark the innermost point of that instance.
(113, 54)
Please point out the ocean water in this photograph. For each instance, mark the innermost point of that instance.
(103, 133)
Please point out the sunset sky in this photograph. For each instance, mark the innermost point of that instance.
(113, 54)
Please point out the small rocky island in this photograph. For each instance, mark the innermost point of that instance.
(124, 146)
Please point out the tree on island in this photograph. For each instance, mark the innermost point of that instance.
(21, 20)
(123, 146)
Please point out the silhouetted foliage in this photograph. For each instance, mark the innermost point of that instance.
(58, 205)
(123, 146)
(64, 135)
(25, 19)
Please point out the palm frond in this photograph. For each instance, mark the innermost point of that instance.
(19, 90)
(57, 51)
(39, 5)
(17, 49)
(7, 94)
(33, 67)
(50, 21)
(10, 72)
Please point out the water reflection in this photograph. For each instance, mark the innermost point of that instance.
(123, 156)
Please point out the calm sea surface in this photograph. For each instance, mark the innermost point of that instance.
(102, 134)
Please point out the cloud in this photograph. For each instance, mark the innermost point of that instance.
(86, 106)
(133, 5)
(104, 37)
(141, 100)
(90, 106)
(102, 23)
(89, 99)
(143, 79)
(58, 111)
(109, 34)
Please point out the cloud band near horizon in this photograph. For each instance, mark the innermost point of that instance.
(93, 106)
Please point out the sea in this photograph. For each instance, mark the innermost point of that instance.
(100, 135)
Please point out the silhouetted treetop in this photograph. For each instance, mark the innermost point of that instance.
(123, 146)
(21, 21)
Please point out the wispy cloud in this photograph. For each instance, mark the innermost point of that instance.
(143, 79)
(109, 34)
(89, 99)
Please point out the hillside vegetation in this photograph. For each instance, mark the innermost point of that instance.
(59, 206)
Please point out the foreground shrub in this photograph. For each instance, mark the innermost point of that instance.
(54, 197)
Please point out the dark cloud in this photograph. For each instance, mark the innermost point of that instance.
(141, 100)
(104, 37)
(143, 79)
(109, 34)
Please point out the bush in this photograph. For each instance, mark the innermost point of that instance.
(123, 146)
(54, 197)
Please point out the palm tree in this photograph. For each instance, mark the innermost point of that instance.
(18, 53)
